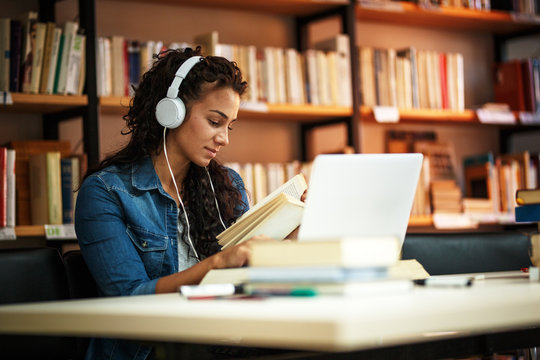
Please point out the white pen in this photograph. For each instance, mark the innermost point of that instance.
(210, 290)
(443, 281)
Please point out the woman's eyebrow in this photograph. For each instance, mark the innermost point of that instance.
(220, 114)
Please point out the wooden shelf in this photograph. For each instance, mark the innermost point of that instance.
(285, 7)
(30, 230)
(40, 103)
(405, 13)
(298, 113)
(412, 116)
(271, 112)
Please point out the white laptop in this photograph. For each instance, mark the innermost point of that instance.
(359, 195)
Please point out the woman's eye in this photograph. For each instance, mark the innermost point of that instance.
(214, 123)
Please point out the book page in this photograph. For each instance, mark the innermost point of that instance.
(295, 187)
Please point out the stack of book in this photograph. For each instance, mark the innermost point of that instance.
(345, 266)
(446, 196)
(528, 210)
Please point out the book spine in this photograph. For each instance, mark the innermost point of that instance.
(37, 57)
(67, 189)
(10, 177)
(5, 35)
(15, 55)
(528, 213)
(70, 32)
(53, 62)
(74, 65)
(54, 182)
(3, 186)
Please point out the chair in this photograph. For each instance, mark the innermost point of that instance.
(30, 275)
(80, 282)
(473, 252)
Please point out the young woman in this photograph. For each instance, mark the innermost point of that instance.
(147, 218)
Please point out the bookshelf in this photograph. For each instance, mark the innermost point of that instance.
(297, 15)
(481, 35)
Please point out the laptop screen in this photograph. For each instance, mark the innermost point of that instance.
(360, 195)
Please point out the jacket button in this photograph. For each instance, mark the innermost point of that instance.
(144, 244)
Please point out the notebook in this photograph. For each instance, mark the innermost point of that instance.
(360, 195)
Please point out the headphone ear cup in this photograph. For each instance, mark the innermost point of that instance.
(170, 113)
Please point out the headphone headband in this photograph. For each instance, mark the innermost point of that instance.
(181, 74)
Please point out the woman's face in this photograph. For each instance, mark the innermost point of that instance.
(206, 128)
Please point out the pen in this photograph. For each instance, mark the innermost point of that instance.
(295, 291)
(210, 290)
(445, 281)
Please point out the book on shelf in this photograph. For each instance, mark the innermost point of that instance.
(45, 188)
(3, 187)
(50, 55)
(11, 188)
(508, 84)
(76, 66)
(346, 252)
(119, 65)
(528, 213)
(338, 48)
(15, 50)
(38, 49)
(70, 174)
(24, 149)
(69, 34)
(29, 21)
(5, 36)
(276, 216)
(528, 196)
(208, 42)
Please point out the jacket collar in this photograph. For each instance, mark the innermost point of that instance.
(144, 176)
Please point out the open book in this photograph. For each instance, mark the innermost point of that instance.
(276, 216)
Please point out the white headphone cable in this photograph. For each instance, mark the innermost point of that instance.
(178, 194)
(215, 198)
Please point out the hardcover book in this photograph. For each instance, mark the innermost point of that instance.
(347, 252)
(528, 213)
(276, 216)
(528, 196)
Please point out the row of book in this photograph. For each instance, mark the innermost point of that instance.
(41, 57)
(261, 179)
(495, 180)
(528, 7)
(38, 182)
(319, 76)
(410, 78)
(489, 184)
(517, 84)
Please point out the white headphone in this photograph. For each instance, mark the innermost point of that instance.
(171, 110)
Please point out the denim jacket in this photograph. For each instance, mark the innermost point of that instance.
(126, 226)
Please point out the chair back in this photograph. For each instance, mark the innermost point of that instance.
(80, 281)
(30, 275)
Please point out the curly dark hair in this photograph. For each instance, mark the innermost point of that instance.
(213, 72)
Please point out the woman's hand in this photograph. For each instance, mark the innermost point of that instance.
(238, 255)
